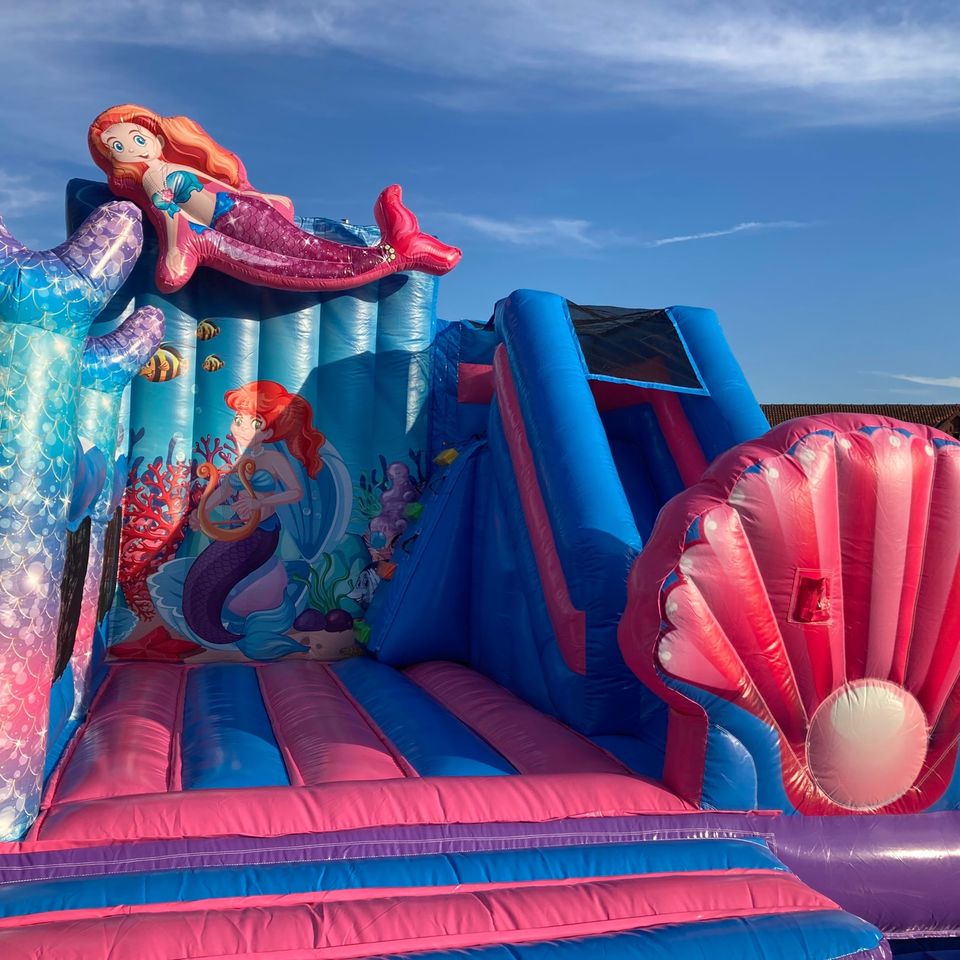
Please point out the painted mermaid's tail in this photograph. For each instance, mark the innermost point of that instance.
(218, 569)
(415, 250)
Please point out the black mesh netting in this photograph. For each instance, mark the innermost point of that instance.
(633, 344)
(71, 594)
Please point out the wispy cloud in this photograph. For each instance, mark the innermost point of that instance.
(953, 382)
(748, 226)
(584, 235)
(809, 59)
(901, 391)
(18, 195)
(533, 231)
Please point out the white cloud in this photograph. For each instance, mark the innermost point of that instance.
(17, 194)
(748, 226)
(532, 231)
(583, 235)
(953, 382)
(813, 61)
(902, 391)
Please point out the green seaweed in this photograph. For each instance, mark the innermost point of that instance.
(329, 582)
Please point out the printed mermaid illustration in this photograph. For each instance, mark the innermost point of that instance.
(239, 593)
(197, 195)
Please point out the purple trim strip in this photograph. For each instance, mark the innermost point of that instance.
(367, 843)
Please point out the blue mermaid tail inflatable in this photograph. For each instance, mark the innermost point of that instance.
(48, 300)
(110, 362)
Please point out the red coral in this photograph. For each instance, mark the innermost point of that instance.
(156, 505)
(226, 451)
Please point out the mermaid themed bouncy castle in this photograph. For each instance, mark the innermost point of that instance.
(332, 629)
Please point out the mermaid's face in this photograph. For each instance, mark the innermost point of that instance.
(249, 430)
(129, 142)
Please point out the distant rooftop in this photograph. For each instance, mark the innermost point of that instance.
(943, 416)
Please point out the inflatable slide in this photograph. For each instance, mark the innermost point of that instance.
(331, 629)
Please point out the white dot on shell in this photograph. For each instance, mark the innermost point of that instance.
(806, 455)
(665, 655)
(711, 525)
(844, 443)
(773, 473)
(895, 441)
(686, 564)
(671, 607)
(928, 450)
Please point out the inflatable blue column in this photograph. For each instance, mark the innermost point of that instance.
(47, 302)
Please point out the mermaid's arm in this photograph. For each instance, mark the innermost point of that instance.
(171, 254)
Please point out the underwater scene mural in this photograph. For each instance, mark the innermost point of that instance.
(275, 457)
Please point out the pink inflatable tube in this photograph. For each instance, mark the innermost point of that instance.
(299, 927)
(273, 811)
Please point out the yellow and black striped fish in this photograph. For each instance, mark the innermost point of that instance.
(212, 364)
(207, 330)
(166, 364)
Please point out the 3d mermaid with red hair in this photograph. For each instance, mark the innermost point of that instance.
(206, 213)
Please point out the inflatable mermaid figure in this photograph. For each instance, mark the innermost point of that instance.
(205, 211)
(238, 593)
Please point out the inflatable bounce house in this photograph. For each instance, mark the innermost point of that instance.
(330, 629)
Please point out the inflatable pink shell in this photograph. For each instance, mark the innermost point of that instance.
(813, 580)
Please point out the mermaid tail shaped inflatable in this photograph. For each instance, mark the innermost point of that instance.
(415, 250)
(48, 300)
(109, 363)
(255, 242)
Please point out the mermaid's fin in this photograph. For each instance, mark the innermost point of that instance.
(265, 645)
(396, 222)
(401, 230)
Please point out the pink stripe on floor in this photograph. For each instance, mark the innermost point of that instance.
(275, 811)
(531, 741)
(125, 748)
(320, 732)
(363, 927)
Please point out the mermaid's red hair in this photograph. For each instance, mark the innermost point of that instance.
(288, 415)
(184, 141)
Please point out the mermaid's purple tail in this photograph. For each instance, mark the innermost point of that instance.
(254, 222)
(255, 242)
(218, 569)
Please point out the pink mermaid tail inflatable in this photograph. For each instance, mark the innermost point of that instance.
(206, 213)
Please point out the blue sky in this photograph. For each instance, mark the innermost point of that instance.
(792, 165)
